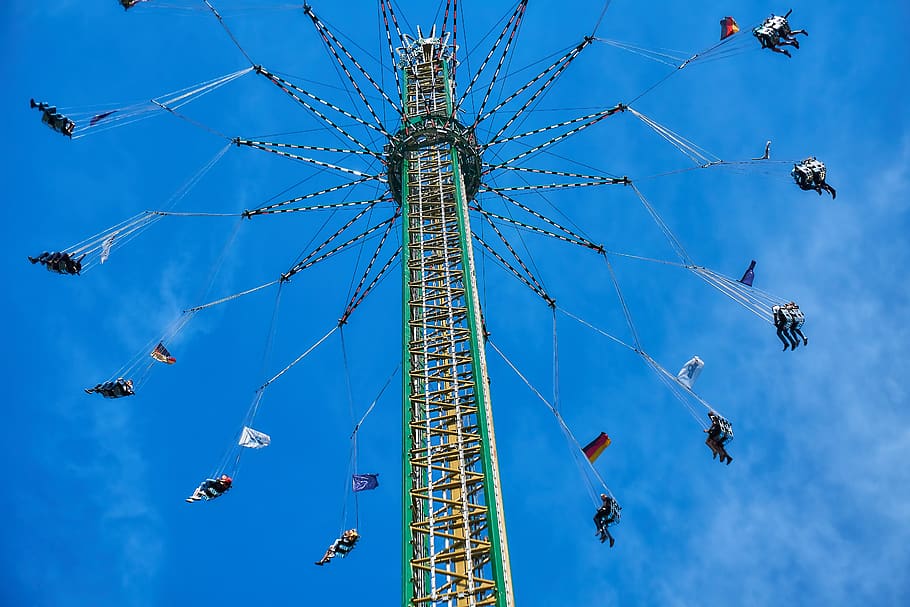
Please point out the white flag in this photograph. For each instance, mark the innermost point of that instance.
(254, 439)
(690, 372)
(106, 247)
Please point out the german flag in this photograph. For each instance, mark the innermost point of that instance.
(596, 447)
(728, 27)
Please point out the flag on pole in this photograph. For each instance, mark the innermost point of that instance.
(364, 482)
(596, 447)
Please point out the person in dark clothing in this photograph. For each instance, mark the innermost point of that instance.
(717, 437)
(113, 389)
(54, 119)
(775, 32)
(811, 174)
(606, 515)
(60, 262)
(782, 322)
(797, 318)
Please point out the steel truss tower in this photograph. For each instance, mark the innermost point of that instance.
(454, 540)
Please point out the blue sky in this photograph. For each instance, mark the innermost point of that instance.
(815, 507)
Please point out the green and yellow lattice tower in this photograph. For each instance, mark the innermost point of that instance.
(454, 540)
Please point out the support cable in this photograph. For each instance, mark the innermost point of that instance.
(622, 300)
(105, 117)
(698, 155)
(668, 233)
(559, 186)
(298, 359)
(601, 18)
(229, 33)
(353, 458)
(231, 297)
(495, 167)
(317, 207)
(569, 133)
(573, 442)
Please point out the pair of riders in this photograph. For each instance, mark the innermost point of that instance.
(775, 32)
(342, 546)
(810, 174)
(719, 433)
(788, 320)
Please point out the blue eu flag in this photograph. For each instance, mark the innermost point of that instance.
(363, 482)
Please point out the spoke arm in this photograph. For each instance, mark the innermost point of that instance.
(540, 216)
(557, 68)
(296, 268)
(553, 140)
(292, 90)
(329, 38)
(311, 259)
(386, 9)
(492, 167)
(270, 147)
(513, 24)
(372, 261)
(354, 303)
(542, 294)
(619, 107)
(585, 243)
(315, 207)
(561, 186)
(336, 188)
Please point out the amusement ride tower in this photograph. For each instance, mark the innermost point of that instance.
(454, 541)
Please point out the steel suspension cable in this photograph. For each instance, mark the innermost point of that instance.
(298, 359)
(228, 31)
(573, 442)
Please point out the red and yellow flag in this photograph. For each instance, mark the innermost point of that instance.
(596, 447)
(728, 27)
